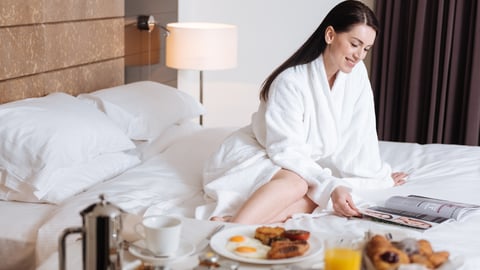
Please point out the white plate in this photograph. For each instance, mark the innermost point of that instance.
(219, 241)
(184, 249)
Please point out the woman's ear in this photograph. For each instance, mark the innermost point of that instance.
(329, 34)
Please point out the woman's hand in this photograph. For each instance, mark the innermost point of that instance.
(343, 203)
(399, 178)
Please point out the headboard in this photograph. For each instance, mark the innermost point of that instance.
(72, 46)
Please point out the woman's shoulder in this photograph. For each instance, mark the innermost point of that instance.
(290, 84)
(294, 75)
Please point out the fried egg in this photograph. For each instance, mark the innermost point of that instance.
(247, 247)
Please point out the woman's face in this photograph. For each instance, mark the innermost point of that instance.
(344, 50)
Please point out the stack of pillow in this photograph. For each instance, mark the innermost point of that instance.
(56, 146)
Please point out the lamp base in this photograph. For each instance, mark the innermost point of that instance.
(201, 94)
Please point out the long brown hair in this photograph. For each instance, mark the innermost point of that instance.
(342, 18)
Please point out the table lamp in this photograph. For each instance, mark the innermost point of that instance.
(201, 46)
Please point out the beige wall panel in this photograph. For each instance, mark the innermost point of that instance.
(18, 12)
(74, 81)
(85, 79)
(67, 10)
(82, 42)
(72, 46)
(22, 51)
(20, 88)
(21, 12)
(25, 50)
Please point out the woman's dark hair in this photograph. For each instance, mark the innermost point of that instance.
(342, 18)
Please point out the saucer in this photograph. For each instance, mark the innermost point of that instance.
(184, 249)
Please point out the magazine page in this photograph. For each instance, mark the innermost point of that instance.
(430, 206)
(402, 218)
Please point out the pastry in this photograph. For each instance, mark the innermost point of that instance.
(384, 255)
(438, 258)
(408, 245)
(424, 247)
(268, 234)
(421, 259)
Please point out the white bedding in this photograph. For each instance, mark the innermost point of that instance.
(18, 232)
(169, 182)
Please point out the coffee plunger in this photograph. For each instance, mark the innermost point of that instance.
(101, 240)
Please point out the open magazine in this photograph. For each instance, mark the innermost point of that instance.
(418, 211)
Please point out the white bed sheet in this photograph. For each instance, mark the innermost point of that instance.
(167, 183)
(170, 183)
(450, 172)
(19, 223)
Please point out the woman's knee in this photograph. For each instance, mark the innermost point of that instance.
(293, 182)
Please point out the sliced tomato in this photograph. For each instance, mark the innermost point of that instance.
(296, 234)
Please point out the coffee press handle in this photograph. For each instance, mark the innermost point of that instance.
(62, 251)
(140, 230)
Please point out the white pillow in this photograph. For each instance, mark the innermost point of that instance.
(70, 181)
(148, 149)
(41, 135)
(145, 109)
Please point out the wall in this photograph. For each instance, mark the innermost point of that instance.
(269, 31)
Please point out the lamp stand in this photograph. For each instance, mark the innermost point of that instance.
(201, 95)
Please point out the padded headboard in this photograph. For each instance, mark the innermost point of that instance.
(72, 46)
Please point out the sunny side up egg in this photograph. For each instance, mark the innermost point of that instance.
(247, 247)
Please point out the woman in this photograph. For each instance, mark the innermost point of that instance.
(313, 138)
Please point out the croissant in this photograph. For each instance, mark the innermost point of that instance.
(386, 255)
(383, 255)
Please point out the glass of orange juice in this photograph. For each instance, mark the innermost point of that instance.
(343, 253)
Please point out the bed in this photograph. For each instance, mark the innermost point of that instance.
(71, 130)
(159, 170)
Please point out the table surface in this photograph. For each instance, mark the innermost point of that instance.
(192, 230)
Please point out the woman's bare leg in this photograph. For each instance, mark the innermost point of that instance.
(277, 200)
(304, 205)
(222, 219)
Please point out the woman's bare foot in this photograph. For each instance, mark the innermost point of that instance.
(222, 219)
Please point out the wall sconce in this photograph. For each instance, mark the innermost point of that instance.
(143, 37)
(145, 22)
(201, 46)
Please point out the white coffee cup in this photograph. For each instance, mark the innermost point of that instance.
(160, 233)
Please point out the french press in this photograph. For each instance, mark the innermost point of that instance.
(101, 240)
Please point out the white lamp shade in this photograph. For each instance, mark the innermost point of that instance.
(201, 46)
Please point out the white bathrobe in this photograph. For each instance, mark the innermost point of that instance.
(327, 136)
